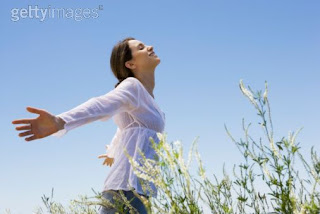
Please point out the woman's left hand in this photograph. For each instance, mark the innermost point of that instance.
(108, 160)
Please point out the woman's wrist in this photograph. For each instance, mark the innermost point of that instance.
(60, 123)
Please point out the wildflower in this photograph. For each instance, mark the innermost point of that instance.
(265, 170)
(248, 94)
(265, 94)
(160, 136)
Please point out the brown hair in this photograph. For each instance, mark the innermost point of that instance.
(120, 54)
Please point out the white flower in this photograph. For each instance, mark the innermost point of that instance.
(266, 171)
(177, 144)
(160, 136)
(265, 94)
(248, 94)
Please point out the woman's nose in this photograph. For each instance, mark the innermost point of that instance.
(150, 48)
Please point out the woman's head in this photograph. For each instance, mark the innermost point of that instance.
(131, 56)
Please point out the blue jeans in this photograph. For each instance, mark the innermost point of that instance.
(134, 201)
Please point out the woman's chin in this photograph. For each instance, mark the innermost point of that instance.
(156, 62)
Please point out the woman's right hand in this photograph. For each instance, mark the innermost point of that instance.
(42, 126)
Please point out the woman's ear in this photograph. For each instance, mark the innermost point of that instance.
(130, 65)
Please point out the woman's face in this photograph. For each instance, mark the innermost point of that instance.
(143, 56)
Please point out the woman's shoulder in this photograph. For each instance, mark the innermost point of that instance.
(129, 84)
(129, 81)
(132, 79)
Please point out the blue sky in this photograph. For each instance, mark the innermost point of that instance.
(205, 49)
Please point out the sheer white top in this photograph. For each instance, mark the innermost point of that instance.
(138, 118)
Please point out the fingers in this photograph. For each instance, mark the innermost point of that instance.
(23, 127)
(28, 121)
(108, 162)
(22, 121)
(30, 138)
(22, 134)
(105, 162)
(35, 110)
(33, 137)
(27, 127)
(103, 156)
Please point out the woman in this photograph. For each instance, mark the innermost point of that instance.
(131, 104)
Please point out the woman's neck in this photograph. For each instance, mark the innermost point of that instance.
(148, 81)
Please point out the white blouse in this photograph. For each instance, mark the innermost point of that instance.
(137, 116)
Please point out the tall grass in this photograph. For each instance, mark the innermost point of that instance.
(267, 162)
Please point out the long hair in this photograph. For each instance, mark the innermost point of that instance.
(121, 53)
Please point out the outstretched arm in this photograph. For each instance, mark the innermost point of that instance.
(123, 98)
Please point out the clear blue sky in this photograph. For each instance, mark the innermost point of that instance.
(205, 49)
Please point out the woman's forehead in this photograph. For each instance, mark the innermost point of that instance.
(135, 43)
